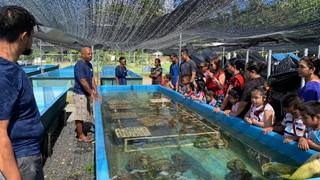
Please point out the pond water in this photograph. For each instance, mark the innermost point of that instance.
(149, 136)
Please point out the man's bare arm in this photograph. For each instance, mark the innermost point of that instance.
(8, 164)
(86, 86)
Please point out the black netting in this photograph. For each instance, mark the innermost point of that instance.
(144, 24)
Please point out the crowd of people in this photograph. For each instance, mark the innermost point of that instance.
(241, 90)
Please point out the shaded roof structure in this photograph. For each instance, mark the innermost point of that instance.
(156, 24)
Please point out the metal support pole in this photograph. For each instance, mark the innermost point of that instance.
(141, 57)
(247, 59)
(41, 65)
(93, 60)
(303, 81)
(61, 49)
(269, 63)
(180, 48)
(223, 58)
(319, 52)
(70, 55)
(180, 58)
(92, 50)
(98, 71)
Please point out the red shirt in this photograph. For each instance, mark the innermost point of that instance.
(212, 85)
(237, 81)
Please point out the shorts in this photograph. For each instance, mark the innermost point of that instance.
(83, 108)
(30, 168)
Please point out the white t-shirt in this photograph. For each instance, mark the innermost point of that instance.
(257, 113)
(296, 129)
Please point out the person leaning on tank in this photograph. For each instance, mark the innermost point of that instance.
(85, 91)
(21, 130)
(121, 71)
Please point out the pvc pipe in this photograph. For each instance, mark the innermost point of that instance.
(229, 55)
(234, 54)
(247, 57)
(306, 50)
(269, 63)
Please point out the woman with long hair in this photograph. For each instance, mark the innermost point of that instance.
(309, 69)
(215, 80)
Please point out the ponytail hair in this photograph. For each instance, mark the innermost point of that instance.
(256, 66)
(312, 63)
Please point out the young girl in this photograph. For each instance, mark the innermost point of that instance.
(186, 88)
(292, 125)
(211, 100)
(166, 81)
(260, 113)
(234, 96)
(199, 94)
(311, 117)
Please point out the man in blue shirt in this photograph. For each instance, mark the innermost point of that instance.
(121, 72)
(20, 127)
(85, 90)
(174, 70)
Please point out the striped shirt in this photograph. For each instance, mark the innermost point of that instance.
(293, 126)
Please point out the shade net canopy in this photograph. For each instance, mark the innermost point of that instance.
(157, 24)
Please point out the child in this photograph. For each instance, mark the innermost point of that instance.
(260, 113)
(310, 113)
(211, 100)
(234, 96)
(199, 93)
(186, 88)
(292, 124)
(166, 81)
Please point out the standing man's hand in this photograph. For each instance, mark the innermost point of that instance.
(95, 96)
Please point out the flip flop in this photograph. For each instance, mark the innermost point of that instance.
(85, 140)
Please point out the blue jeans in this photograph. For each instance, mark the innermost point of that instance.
(30, 168)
